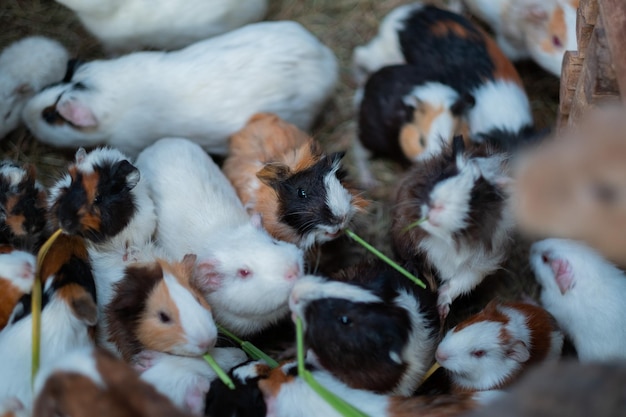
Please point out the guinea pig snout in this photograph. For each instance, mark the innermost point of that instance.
(293, 273)
(441, 356)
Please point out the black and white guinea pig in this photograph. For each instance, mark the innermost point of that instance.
(407, 114)
(17, 275)
(283, 174)
(157, 306)
(584, 292)
(491, 349)
(369, 326)
(22, 207)
(102, 198)
(466, 232)
(245, 274)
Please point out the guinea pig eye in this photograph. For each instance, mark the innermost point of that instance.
(164, 317)
(422, 142)
(244, 273)
(301, 193)
(478, 353)
(345, 320)
(556, 41)
(97, 199)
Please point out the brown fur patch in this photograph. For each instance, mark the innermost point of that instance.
(489, 313)
(431, 405)
(9, 296)
(184, 274)
(14, 221)
(60, 253)
(270, 386)
(556, 27)
(6, 248)
(503, 67)
(81, 302)
(443, 28)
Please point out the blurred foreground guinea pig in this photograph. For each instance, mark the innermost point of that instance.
(244, 273)
(491, 349)
(282, 174)
(585, 293)
(574, 186)
(369, 326)
(205, 92)
(121, 25)
(17, 275)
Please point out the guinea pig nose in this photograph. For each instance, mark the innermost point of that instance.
(441, 357)
(28, 271)
(205, 345)
(293, 273)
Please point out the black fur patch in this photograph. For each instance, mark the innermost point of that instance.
(72, 65)
(246, 400)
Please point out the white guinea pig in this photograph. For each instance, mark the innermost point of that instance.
(121, 25)
(585, 293)
(245, 274)
(27, 66)
(205, 92)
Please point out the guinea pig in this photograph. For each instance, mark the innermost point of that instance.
(132, 101)
(283, 174)
(462, 56)
(492, 349)
(93, 382)
(27, 66)
(245, 274)
(369, 326)
(185, 380)
(156, 306)
(23, 213)
(579, 174)
(122, 25)
(584, 292)
(406, 115)
(17, 275)
(68, 317)
(465, 235)
(288, 395)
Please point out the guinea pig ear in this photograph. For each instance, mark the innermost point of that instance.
(535, 13)
(80, 156)
(464, 103)
(189, 263)
(518, 352)
(23, 90)
(273, 173)
(125, 173)
(77, 113)
(207, 277)
(85, 309)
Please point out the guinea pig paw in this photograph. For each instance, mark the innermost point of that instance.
(443, 301)
(195, 396)
(146, 359)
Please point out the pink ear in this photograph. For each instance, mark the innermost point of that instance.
(77, 113)
(563, 274)
(519, 352)
(207, 275)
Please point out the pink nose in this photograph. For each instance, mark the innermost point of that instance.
(28, 271)
(441, 357)
(293, 273)
(205, 345)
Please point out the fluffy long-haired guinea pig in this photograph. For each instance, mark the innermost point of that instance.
(491, 349)
(369, 326)
(574, 186)
(282, 173)
(17, 275)
(465, 232)
(157, 306)
(122, 26)
(27, 66)
(584, 292)
(93, 382)
(132, 101)
(22, 206)
(246, 275)
(68, 317)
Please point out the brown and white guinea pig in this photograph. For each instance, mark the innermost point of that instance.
(282, 173)
(287, 395)
(407, 114)
(464, 58)
(17, 275)
(22, 206)
(93, 382)
(564, 389)
(465, 235)
(491, 349)
(246, 275)
(68, 317)
(369, 326)
(157, 306)
(585, 294)
(580, 174)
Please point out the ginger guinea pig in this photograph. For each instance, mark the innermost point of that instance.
(17, 275)
(282, 173)
(491, 349)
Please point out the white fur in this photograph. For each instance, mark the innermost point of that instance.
(384, 49)
(27, 66)
(12, 407)
(136, 24)
(204, 92)
(186, 380)
(592, 311)
(199, 212)
(12, 173)
(80, 361)
(18, 267)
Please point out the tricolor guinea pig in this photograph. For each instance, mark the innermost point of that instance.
(22, 206)
(282, 173)
(246, 275)
(584, 292)
(17, 275)
(132, 101)
(491, 349)
(369, 326)
(465, 232)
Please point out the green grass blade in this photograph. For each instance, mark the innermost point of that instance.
(219, 371)
(414, 224)
(251, 350)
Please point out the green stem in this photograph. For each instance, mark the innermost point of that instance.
(414, 224)
(219, 371)
(251, 350)
(385, 258)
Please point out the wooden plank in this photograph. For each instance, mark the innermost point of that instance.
(572, 66)
(589, 10)
(614, 18)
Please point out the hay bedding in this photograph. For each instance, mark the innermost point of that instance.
(341, 25)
